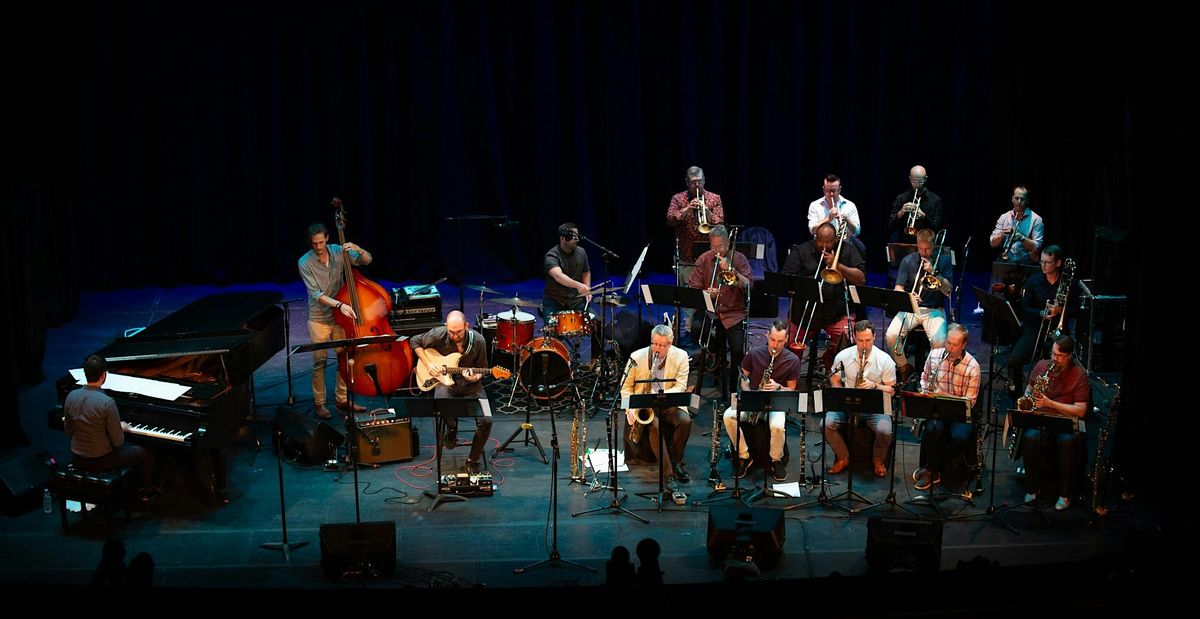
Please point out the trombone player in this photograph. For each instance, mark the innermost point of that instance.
(692, 213)
(915, 209)
(923, 275)
(661, 360)
(725, 274)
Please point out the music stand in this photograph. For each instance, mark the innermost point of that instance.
(852, 403)
(679, 297)
(947, 409)
(660, 402)
(764, 402)
(440, 409)
(611, 430)
(808, 289)
(1002, 312)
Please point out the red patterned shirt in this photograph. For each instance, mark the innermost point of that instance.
(683, 219)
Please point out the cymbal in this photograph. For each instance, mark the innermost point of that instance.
(483, 289)
(519, 302)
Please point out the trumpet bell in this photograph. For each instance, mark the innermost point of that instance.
(704, 228)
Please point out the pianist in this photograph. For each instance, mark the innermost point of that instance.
(321, 270)
(97, 434)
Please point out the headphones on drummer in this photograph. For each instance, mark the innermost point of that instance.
(569, 231)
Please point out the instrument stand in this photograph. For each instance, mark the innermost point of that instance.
(823, 498)
(614, 507)
(890, 501)
(527, 425)
(555, 559)
(285, 546)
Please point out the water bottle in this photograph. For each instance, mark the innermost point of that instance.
(47, 505)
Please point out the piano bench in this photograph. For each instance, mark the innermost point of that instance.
(107, 490)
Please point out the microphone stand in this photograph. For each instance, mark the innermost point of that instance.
(605, 255)
(500, 221)
(613, 507)
(285, 546)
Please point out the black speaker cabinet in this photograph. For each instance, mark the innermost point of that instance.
(306, 440)
(363, 547)
(386, 439)
(24, 472)
(746, 534)
(903, 543)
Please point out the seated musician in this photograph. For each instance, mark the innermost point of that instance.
(457, 336)
(568, 279)
(1037, 306)
(948, 371)
(93, 424)
(931, 313)
(1067, 393)
(868, 368)
(784, 374)
(660, 360)
(832, 315)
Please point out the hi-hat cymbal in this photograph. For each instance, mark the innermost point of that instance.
(519, 302)
(483, 289)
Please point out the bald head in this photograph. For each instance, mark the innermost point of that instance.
(917, 176)
(455, 320)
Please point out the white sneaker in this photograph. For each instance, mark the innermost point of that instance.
(1031, 497)
(1062, 503)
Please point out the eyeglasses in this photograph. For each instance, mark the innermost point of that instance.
(917, 179)
(1020, 199)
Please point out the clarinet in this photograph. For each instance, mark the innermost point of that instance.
(714, 477)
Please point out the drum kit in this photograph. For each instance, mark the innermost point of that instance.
(544, 364)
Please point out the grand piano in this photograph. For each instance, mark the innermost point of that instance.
(212, 346)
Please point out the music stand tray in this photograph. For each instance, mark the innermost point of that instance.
(945, 408)
(890, 301)
(763, 402)
(852, 403)
(440, 409)
(660, 402)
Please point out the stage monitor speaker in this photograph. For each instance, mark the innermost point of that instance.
(910, 544)
(305, 440)
(386, 438)
(24, 472)
(358, 548)
(750, 534)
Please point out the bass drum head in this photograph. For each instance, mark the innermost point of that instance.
(545, 368)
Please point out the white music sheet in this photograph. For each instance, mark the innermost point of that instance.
(134, 384)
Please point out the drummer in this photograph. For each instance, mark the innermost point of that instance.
(568, 280)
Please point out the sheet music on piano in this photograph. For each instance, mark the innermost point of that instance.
(132, 384)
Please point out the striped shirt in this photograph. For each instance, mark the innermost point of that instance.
(959, 379)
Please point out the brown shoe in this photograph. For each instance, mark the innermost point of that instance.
(345, 406)
(839, 466)
(323, 412)
(880, 468)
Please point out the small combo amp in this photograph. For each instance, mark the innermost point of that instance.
(384, 437)
(413, 305)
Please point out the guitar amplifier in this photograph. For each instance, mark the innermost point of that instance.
(409, 308)
(386, 438)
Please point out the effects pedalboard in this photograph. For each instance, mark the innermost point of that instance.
(466, 484)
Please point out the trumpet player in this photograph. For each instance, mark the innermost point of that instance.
(1037, 305)
(914, 209)
(948, 371)
(919, 275)
(1018, 232)
(661, 360)
(832, 315)
(862, 366)
(766, 368)
(683, 215)
(1057, 460)
(831, 207)
(725, 274)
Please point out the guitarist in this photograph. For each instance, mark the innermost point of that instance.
(457, 336)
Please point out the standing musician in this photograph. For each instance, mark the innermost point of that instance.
(948, 371)
(915, 274)
(684, 215)
(832, 315)
(323, 275)
(568, 276)
(457, 336)
(725, 274)
(831, 207)
(1037, 306)
(928, 207)
(866, 367)
(771, 367)
(1067, 393)
(661, 360)
(1019, 231)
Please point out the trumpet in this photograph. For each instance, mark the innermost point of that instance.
(1013, 237)
(910, 226)
(702, 224)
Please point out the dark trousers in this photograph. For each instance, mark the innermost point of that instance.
(735, 339)
(123, 456)
(1022, 353)
(483, 425)
(938, 445)
(1054, 459)
(681, 424)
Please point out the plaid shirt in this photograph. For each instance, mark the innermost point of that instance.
(961, 380)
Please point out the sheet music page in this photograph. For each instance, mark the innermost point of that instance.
(134, 384)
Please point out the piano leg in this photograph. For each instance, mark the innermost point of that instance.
(219, 476)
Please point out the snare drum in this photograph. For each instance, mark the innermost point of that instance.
(545, 366)
(513, 332)
(569, 323)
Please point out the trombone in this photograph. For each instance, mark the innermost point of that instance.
(921, 284)
(831, 275)
(702, 224)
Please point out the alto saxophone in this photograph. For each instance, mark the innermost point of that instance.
(862, 369)
(1026, 403)
(766, 376)
(918, 424)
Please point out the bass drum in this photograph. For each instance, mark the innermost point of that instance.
(545, 367)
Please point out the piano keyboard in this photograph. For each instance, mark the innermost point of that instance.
(166, 434)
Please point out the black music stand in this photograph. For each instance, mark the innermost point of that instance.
(948, 410)
(852, 403)
(659, 402)
(1048, 424)
(612, 431)
(811, 290)
(1003, 313)
(440, 409)
(681, 297)
(763, 402)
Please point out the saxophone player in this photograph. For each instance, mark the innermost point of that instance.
(771, 367)
(948, 371)
(1037, 305)
(661, 360)
(1055, 461)
(868, 368)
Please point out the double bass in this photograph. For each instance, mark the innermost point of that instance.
(392, 362)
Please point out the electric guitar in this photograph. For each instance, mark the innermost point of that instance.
(426, 380)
